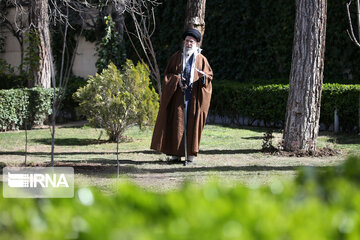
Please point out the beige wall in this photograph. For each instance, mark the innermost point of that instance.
(84, 62)
(12, 53)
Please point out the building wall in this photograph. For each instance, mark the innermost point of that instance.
(84, 62)
(85, 59)
(11, 53)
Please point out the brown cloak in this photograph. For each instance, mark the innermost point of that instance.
(169, 128)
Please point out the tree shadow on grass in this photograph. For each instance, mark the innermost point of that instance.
(132, 167)
(70, 141)
(150, 152)
(21, 153)
(253, 138)
(105, 168)
(227, 151)
(344, 139)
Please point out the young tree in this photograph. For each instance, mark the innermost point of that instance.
(116, 100)
(306, 76)
(195, 15)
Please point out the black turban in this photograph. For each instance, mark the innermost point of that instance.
(192, 32)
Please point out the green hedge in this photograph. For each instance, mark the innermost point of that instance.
(321, 204)
(19, 105)
(268, 103)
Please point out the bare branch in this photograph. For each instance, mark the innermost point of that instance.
(142, 14)
(351, 33)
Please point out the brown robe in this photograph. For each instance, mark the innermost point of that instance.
(169, 128)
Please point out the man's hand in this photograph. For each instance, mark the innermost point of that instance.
(202, 77)
(182, 84)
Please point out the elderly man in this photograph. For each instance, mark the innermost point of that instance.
(188, 72)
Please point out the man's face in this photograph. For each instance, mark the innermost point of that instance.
(190, 42)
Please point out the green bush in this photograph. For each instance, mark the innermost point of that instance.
(32, 105)
(344, 98)
(116, 100)
(8, 78)
(294, 210)
(68, 104)
(268, 102)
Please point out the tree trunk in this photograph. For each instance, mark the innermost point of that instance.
(195, 16)
(39, 22)
(306, 76)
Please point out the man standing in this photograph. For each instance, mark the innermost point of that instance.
(188, 72)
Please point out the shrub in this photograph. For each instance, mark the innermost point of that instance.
(268, 102)
(8, 78)
(116, 100)
(19, 105)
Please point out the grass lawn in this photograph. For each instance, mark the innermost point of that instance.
(231, 155)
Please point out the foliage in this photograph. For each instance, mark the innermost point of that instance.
(111, 48)
(310, 209)
(344, 98)
(116, 100)
(257, 102)
(18, 106)
(32, 58)
(267, 144)
(57, 41)
(2, 44)
(8, 78)
(68, 104)
(268, 102)
(252, 39)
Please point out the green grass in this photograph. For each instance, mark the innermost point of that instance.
(229, 154)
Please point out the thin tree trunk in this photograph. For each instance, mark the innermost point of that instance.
(39, 22)
(358, 15)
(306, 77)
(195, 15)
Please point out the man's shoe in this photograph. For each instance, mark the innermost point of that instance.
(173, 159)
(190, 161)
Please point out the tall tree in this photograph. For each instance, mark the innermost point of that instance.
(306, 76)
(195, 15)
(39, 25)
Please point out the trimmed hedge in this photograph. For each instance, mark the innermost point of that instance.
(321, 204)
(32, 105)
(268, 103)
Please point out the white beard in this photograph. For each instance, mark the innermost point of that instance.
(189, 51)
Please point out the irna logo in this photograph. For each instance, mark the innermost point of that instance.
(35, 182)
